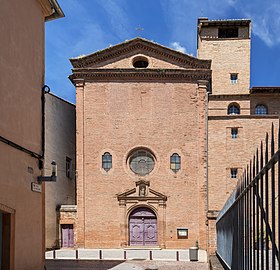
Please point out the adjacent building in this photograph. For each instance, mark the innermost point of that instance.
(162, 137)
(21, 131)
(60, 145)
(238, 116)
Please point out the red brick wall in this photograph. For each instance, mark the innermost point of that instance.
(118, 117)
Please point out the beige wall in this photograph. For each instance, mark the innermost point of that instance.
(60, 143)
(22, 69)
(22, 78)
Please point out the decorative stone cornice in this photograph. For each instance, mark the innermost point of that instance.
(140, 45)
(184, 75)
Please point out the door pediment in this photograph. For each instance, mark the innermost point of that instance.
(142, 192)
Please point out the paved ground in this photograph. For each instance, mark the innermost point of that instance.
(123, 265)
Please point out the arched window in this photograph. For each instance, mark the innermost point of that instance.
(107, 161)
(233, 109)
(175, 162)
(142, 162)
(261, 109)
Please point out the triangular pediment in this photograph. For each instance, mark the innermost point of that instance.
(122, 55)
(136, 193)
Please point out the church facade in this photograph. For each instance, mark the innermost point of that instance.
(162, 137)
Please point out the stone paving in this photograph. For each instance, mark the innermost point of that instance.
(124, 265)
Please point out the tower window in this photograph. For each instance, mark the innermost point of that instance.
(233, 109)
(175, 162)
(228, 32)
(233, 173)
(107, 161)
(233, 78)
(234, 133)
(261, 109)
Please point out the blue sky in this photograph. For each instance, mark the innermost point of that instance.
(91, 25)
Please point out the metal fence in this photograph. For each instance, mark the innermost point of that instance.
(248, 226)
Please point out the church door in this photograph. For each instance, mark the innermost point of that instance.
(142, 227)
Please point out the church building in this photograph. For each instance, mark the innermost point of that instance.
(162, 137)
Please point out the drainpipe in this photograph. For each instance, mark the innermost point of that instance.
(207, 193)
(45, 89)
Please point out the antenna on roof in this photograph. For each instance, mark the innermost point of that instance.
(201, 12)
(138, 30)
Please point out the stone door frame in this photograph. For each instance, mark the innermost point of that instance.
(132, 199)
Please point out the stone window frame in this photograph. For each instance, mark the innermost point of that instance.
(107, 161)
(233, 109)
(233, 78)
(175, 162)
(233, 173)
(149, 157)
(140, 58)
(234, 133)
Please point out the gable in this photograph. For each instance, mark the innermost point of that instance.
(122, 56)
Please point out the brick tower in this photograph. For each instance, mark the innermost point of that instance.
(227, 44)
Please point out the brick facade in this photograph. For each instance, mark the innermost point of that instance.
(175, 105)
(163, 114)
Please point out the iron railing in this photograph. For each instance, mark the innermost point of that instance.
(248, 226)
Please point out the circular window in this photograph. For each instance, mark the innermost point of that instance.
(142, 162)
(140, 62)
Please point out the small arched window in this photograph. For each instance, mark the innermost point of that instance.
(107, 161)
(175, 162)
(261, 109)
(233, 109)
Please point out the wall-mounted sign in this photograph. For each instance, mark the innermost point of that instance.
(36, 187)
(182, 233)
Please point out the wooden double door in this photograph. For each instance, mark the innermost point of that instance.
(143, 227)
(67, 234)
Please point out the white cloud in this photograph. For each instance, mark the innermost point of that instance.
(176, 46)
(118, 17)
(182, 16)
(265, 16)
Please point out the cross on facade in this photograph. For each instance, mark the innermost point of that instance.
(139, 29)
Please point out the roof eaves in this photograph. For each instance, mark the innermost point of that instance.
(56, 11)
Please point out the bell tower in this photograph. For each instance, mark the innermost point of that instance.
(227, 43)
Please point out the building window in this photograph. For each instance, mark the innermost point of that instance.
(233, 109)
(233, 78)
(68, 167)
(107, 161)
(261, 109)
(140, 62)
(175, 162)
(233, 173)
(234, 133)
(142, 162)
(228, 32)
